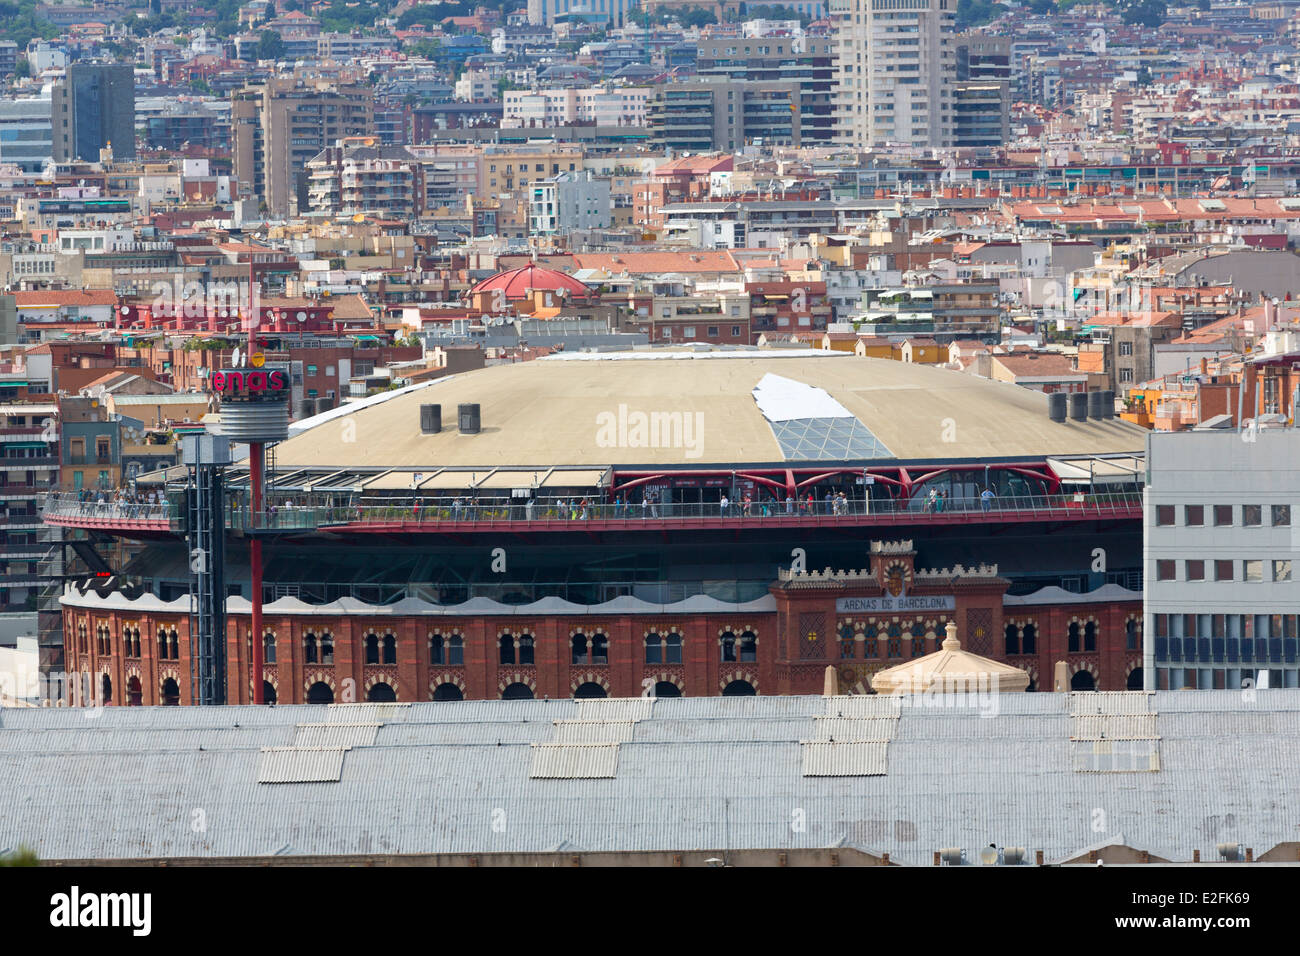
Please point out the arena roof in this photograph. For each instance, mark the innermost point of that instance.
(703, 412)
(1174, 772)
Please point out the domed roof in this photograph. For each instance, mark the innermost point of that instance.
(555, 411)
(516, 283)
(950, 670)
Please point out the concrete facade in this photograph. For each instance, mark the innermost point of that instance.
(1221, 601)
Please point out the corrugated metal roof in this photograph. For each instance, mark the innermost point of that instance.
(300, 764)
(335, 735)
(574, 761)
(843, 729)
(863, 705)
(1110, 702)
(699, 772)
(366, 712)
(1116, 756)
(616, 708)
(1113, 727)
(823, 758)
(593, 731)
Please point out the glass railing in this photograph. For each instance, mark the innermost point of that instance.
(288, 513)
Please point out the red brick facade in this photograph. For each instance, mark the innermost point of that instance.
(790, 651)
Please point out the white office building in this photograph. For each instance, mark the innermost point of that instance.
(614, 13)
(26, 133)
(567, 203)
(894, 72)
(1222, 599)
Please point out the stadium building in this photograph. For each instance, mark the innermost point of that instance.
(691, 522)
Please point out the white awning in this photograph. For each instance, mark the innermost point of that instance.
(1097, 471)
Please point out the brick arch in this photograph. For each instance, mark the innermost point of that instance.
(1131, 666)
(1074, 618)
(379, 677)
(667, 678)
(167, 672)
(577, 680)
(514, 677)
(318, 677)
(1089, 666)
(730, 676)
(448, 677)
(133, 670)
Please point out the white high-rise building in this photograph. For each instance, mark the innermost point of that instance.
(895, 71)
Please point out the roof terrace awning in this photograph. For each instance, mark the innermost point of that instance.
(1098, 470)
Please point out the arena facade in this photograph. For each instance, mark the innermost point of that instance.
(727, 523)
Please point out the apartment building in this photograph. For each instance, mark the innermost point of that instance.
(895, 71)
(280, 126)
(720, 114)
(599, 105)
(808, 61)
(569, 202)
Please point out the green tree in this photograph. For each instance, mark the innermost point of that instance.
(269, 45)
(1147, 13)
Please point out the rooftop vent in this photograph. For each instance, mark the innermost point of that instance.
(430, 419)
(471, 421)
(1079, 406)
(1056, 405)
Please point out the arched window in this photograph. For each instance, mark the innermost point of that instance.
(437, 650)
(918, 642)
(320, 693)
(895, 641)
(579, 645)
(1028, 635)
(447, 691)
(381, 693)
(455, 650)
(268, 692)
(372, 648)
(268, 648)
(1013, 639)
(105, 690)
(666, 688)
(309, 651)
(870, 647)
(1131, 638)
(174, 644)
(1073, 644)
(739, 688)
(672, 648)
(1135, 679)
(517, 692)
(134, 692)
(848, 646)
(748, 646)
(326, 649)
(654, 648)
(525, 649)
(728, 647)
(1090, 636)
(507, 649)
(390, 649)
(599, 649)
(133, 642)
(1083, 680)
(81, 637)
(589, 690)
(162, 643)
(171, 693)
